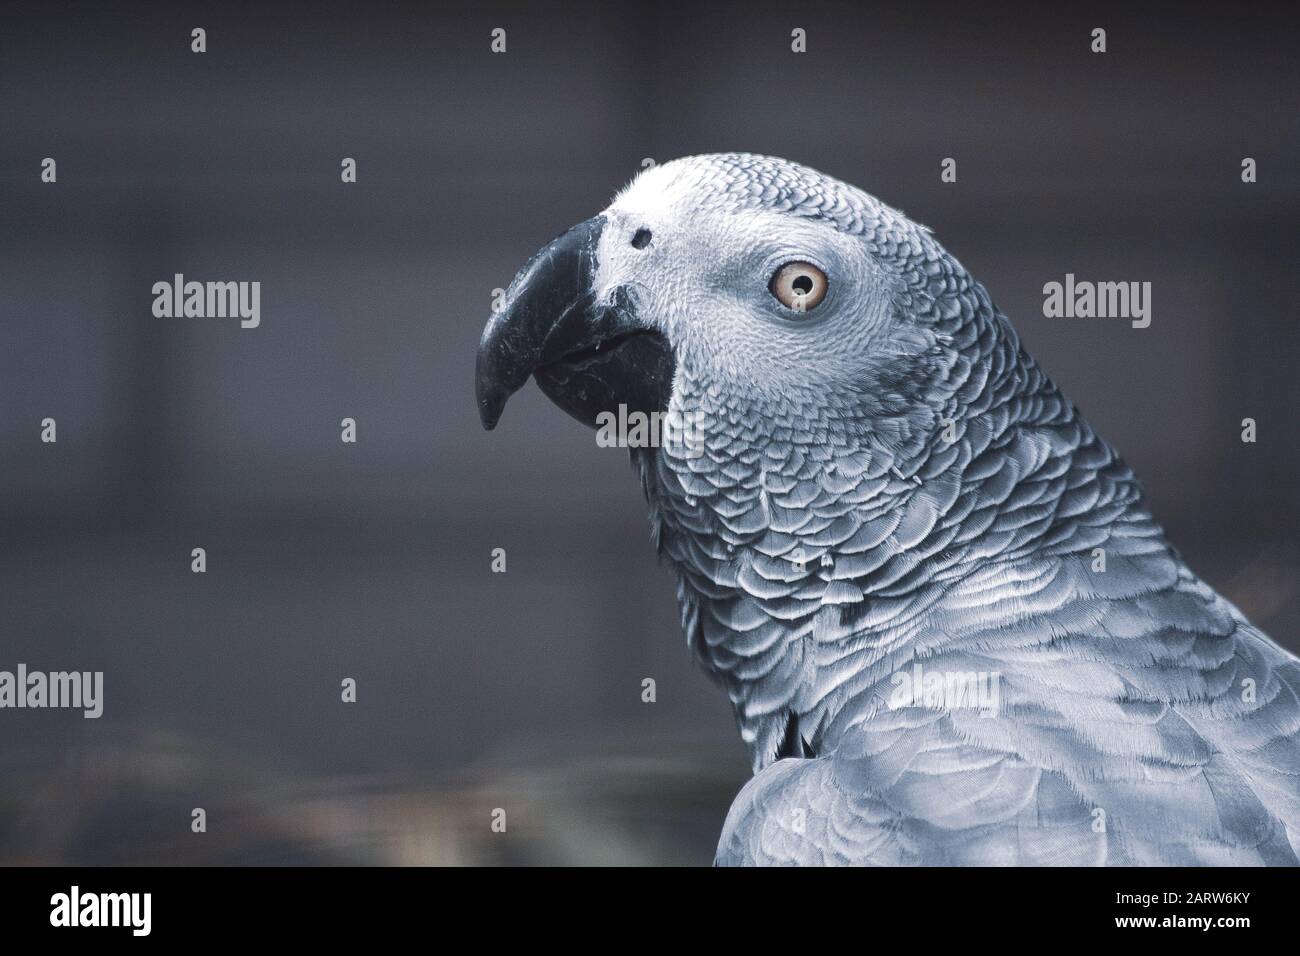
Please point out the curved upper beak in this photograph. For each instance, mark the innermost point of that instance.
(587, 357)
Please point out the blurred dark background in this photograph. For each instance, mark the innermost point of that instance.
(325, 560)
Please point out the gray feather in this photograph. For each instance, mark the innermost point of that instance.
(1142, 719)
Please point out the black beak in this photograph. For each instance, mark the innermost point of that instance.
(587, 358)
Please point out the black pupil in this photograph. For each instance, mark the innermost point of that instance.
(641, 239)
(803, 285)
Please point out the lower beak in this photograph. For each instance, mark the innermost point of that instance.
(587, 357)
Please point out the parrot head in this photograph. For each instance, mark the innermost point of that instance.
(872, 431)
(736, 280)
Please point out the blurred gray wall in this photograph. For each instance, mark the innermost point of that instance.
(371, 561)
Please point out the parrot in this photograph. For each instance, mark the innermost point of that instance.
(951, 630)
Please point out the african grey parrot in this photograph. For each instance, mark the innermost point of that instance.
(885, 491)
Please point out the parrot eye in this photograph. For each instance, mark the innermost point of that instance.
(800, 286)
(641, 238)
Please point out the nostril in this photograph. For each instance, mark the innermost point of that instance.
(641, 238)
